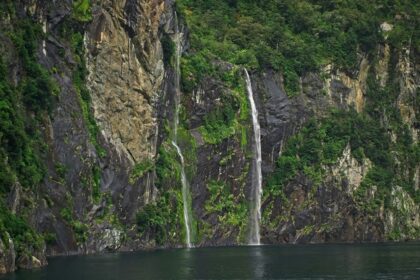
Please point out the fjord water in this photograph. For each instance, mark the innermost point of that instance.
(368, 261)
(255, 218)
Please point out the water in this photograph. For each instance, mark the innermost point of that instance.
(178, 42)
(377, 261)
(184, 181)
(185, 192)
(254, 237)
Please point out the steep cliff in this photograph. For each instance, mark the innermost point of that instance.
(82, 84)
(88, 93)
(340, 150)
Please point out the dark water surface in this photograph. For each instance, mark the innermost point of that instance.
(368, 261)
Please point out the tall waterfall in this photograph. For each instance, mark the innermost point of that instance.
(254, 236)
(184, 181)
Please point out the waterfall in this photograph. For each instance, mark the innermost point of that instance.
(184, 181)
(255, 217)
(185, 191)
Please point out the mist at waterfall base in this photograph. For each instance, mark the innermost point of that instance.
(367, 261)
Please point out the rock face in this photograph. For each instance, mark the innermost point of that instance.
(89, 198)
(7, 255)
(329, 211)
(112, 176)
(126, 73)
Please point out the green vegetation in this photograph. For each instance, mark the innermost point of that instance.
(81, 10)
(38, 89)
(395, 165)
(377, 134)
(168, 169)
(230, 116)
(23, 236)
(109, 215)
(61, 170)
(71, 31)
(231, 211)
(169, 49)
(80, 229)
(165, 217)
(222, 202)
(161, 219)
(168, 166)
(140, 169)
(96, 184)
(19, 157)
(79, 81)
(219, 124)
(20, 138)
(293, 36)
(24, 107)
(91, 180)
(321, 142)
(189, 149)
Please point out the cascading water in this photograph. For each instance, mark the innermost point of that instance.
(185, 191)
(184, 181)
(255, 218)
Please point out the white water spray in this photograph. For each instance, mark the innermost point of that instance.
(254, 236)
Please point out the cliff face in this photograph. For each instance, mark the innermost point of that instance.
(126, 72)
(337, 206)
(106, 63)
(336, 201)
(108, 177)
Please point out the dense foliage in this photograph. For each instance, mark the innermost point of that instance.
(23, 108)
(81, 10)
(28, 93)
(19, 133)
(161, 219)
(294, 36)
(24, 237)
(225, 206)
(377, 134)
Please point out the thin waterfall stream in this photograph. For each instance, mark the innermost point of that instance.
(184, 181)
(255, 217)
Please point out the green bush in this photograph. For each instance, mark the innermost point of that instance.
(23, 236)
(79, 228)
(222, 202)
(168, 168)
(19, 135)
(61, 170)
(321, 143)
(220, 123)
(81, 10)
(193, 69)
(140, 169)
(161, 219)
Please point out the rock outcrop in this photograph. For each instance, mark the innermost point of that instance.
(7, 255)
(125, 66)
